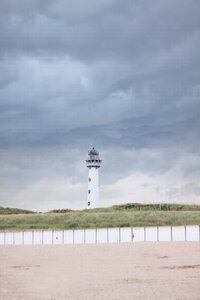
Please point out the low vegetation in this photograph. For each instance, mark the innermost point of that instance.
(116, 216)
(14, 211)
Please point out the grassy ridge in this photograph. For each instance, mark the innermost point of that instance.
(14, 211)
(117, 216)
(123, 207)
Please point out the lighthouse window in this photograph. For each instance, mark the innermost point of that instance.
(89, 179)
(89, 191)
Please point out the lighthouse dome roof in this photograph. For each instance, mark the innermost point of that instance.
(93, 151)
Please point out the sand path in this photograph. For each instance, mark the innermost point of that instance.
(165, 270)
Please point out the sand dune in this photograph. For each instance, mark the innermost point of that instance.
(165, 270)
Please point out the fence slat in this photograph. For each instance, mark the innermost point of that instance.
(2, 238)
(125, 235)
(90, 236)
(192, 233)
(178, 233)
(68, 237)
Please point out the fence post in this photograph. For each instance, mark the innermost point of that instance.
(185, 234)
(199, 232)
(171, 234)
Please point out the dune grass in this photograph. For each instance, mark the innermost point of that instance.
(99, 218)
(14, 211)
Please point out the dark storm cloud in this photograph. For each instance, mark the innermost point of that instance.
(121, 75)
(97, 30)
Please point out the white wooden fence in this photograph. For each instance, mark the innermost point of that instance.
(101, 235)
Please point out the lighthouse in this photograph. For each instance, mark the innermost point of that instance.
(93, 163)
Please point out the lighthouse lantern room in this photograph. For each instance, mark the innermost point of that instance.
(93, 163)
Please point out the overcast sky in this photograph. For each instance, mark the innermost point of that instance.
(123, 76)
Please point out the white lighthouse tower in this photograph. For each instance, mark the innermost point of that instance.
(93, 163)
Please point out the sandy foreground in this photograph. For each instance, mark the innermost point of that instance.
(165, 270)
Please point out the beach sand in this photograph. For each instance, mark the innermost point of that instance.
(162, 270)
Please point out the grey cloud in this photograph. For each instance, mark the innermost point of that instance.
(104, 29)
(122, 76)
(7, 76)
(139, 111)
